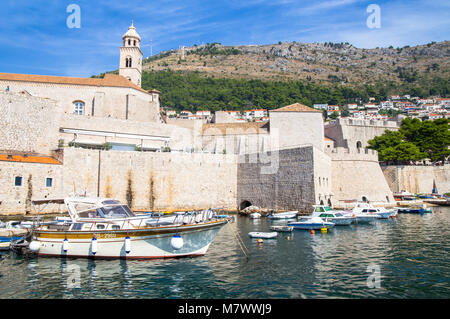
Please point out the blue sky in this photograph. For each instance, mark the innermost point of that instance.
(35, 39)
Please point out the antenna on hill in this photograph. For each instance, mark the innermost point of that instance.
(151, 47)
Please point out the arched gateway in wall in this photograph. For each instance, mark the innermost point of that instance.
(244, 204)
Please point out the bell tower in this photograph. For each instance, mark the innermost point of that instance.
(131, 56)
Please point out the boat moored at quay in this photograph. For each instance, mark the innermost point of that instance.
(106, 228)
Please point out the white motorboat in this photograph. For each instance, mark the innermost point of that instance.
(309, 223)
(106, 228)
(327, 214)
(363, 211)
(265, 235)
(285, 215)
(255, 215)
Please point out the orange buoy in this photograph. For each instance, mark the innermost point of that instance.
(260, 240)
(312, 232)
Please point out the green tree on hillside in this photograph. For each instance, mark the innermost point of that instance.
(415, 140)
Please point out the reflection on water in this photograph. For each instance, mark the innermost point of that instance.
(411, 252)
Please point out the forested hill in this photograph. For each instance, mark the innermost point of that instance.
(216, 77)
(196, 91)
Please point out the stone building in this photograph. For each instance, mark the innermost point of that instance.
(105, 137)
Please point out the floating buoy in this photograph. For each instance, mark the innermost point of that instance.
(324, 230)
(312, 231)
(94, 245)
(127, 244)
(259, 240)
(176, 242)
(65, 245)
(34, 246)
(288, 237)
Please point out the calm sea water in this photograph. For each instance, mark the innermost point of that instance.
(411, 254)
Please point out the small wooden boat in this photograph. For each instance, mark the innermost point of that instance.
(106, 228)
(282, 228)
(265, 235)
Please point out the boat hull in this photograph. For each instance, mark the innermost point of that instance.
(386, 215)
(309, 226)
(289, 215)
(365, 219)
(145, 243)
(341, 221)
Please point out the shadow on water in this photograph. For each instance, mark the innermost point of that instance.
(410, 253)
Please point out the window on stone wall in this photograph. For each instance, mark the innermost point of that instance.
(78, 107)
(18, 181)
(49, 182)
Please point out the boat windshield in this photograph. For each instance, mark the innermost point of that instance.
(117, 211)
(319, 210)
(327, 208)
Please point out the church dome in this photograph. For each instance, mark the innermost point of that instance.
(131, 33)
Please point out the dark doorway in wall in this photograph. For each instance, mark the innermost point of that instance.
(244, 204)
(364, 199)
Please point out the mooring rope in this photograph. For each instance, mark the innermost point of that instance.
(240, 242)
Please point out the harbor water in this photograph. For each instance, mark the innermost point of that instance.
(407, 257)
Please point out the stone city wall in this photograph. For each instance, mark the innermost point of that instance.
(28, 123)
(417, 179)
(281, 180)
(357, 175)
(147, 180)
(348, 132)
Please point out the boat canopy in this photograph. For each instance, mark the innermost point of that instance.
(85, 207)
(322, 208)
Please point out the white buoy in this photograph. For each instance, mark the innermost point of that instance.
(65, 245)
(177, 242)
(34, 246)
(127, 244)
(94, 245)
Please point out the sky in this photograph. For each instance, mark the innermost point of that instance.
(36, 38)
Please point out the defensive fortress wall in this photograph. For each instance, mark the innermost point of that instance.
(287, 179)
(356, 132)
(418, 179)
(357, 175)
(145, 180)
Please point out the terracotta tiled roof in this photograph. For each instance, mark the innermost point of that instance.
(235, 128)
(113, 80)
(297, 107)
(29, 159)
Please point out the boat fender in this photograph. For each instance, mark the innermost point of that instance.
(94, 245)
(34, 246)
(176, 242)
(127, 244)
(65, 245)
(324, 230)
